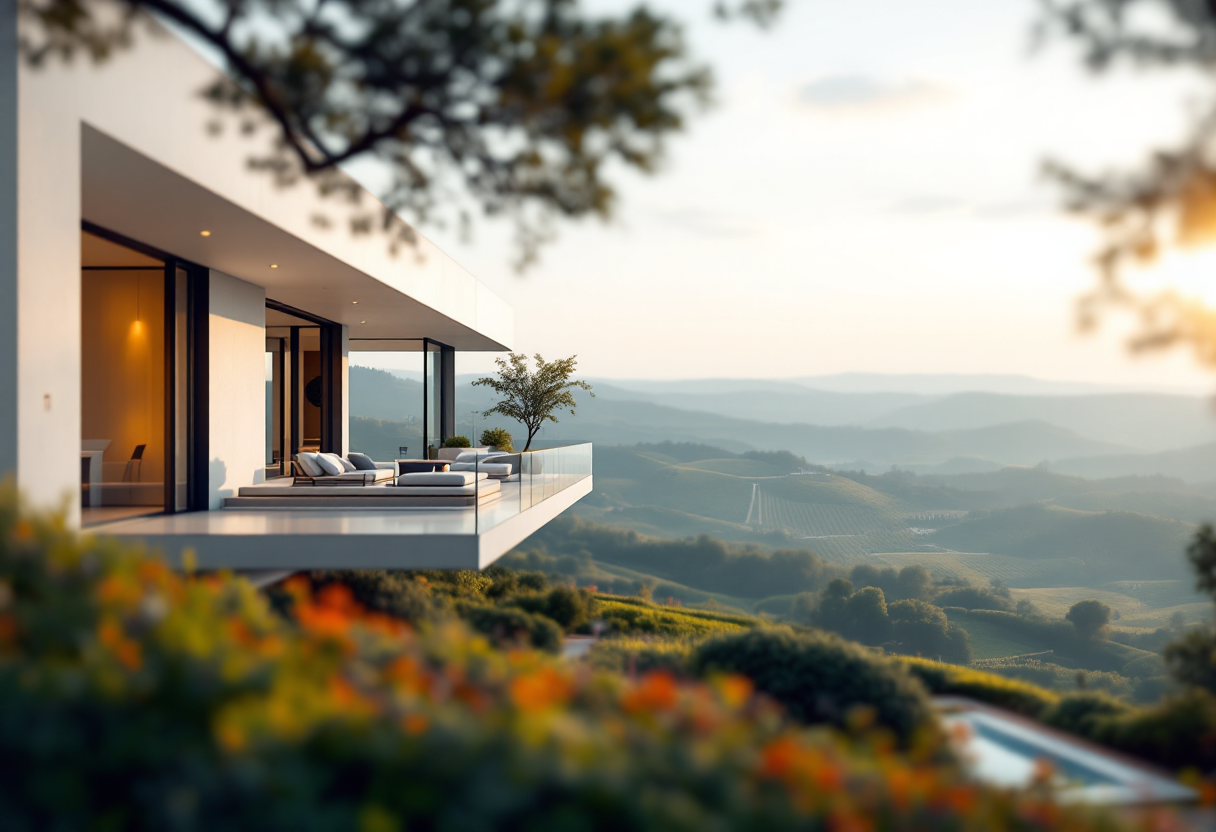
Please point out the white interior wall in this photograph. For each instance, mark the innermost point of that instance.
(237, 407)
(123, 369)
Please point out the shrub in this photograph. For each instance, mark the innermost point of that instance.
(1144, 667)
(923, 629)
(508, 626)
(1149, 691)
(499, 439)
(570, 608)
(394, 593)
(1057, 677)
(636, 655)
(819, 677)
(1078, 713)
(639, 617)
(975, 598)
(1189, 658)
(1089, 618)
(1178, 733)
(505, 583)
(134, 699)
(457, 442)
(947, 679)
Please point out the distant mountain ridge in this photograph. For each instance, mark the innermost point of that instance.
(1095, 434)
(923, 384)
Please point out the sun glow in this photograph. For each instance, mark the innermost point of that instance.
(1190, 273)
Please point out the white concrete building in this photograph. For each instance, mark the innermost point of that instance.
(174, 327)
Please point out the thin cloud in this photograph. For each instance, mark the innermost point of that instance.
(846, 94)
(707, 222)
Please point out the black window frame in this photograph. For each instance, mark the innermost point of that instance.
(198, 305)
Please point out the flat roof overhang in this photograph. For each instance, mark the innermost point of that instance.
(128, 193)
(295, 539)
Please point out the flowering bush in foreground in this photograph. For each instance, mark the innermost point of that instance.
(132, 699)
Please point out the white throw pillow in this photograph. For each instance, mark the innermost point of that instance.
(467, 456)
(308, 461)
(332, 463)
(347, 464)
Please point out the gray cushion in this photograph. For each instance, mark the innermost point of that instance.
(347, 465)
(454, 479)
(332, 463)
(308, 461)
(494, 469)
(362, 462)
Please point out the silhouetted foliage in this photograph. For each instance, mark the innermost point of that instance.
(1171, 198)
(525, 109)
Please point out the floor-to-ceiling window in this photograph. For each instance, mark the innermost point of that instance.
(135, 381)
(401, 403)
(303, 402)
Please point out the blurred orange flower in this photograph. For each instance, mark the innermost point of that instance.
(656, 691)
(540, 690)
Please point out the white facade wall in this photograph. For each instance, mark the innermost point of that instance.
(148, 100)
(48, 290)
(237, 406)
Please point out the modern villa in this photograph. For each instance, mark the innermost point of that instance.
(177, 328)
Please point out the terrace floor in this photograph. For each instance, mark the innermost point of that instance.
(297, 539)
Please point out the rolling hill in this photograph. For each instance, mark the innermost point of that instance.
(1146, 421)
(1196, 464)
(896, 520)
(1107, 546)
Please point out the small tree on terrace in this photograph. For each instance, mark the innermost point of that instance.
(532, 397)
(1089, 618)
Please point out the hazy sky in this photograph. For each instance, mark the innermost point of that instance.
(865, 197)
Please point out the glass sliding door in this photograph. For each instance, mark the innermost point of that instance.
(178, 340)
(277, 404)
(433, 374)
(387, 401)
(136, 385)
(303, 397)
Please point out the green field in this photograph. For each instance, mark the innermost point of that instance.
(1133, 612)
(990, 641)
(980, 569)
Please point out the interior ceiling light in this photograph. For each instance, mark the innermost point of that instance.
(274, 265)
(362, 322)
(354, 301)
(204, 233)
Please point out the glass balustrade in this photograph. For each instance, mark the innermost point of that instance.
(535, 477)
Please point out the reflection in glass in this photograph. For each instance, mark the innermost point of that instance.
(123, 375)
(181, 384)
